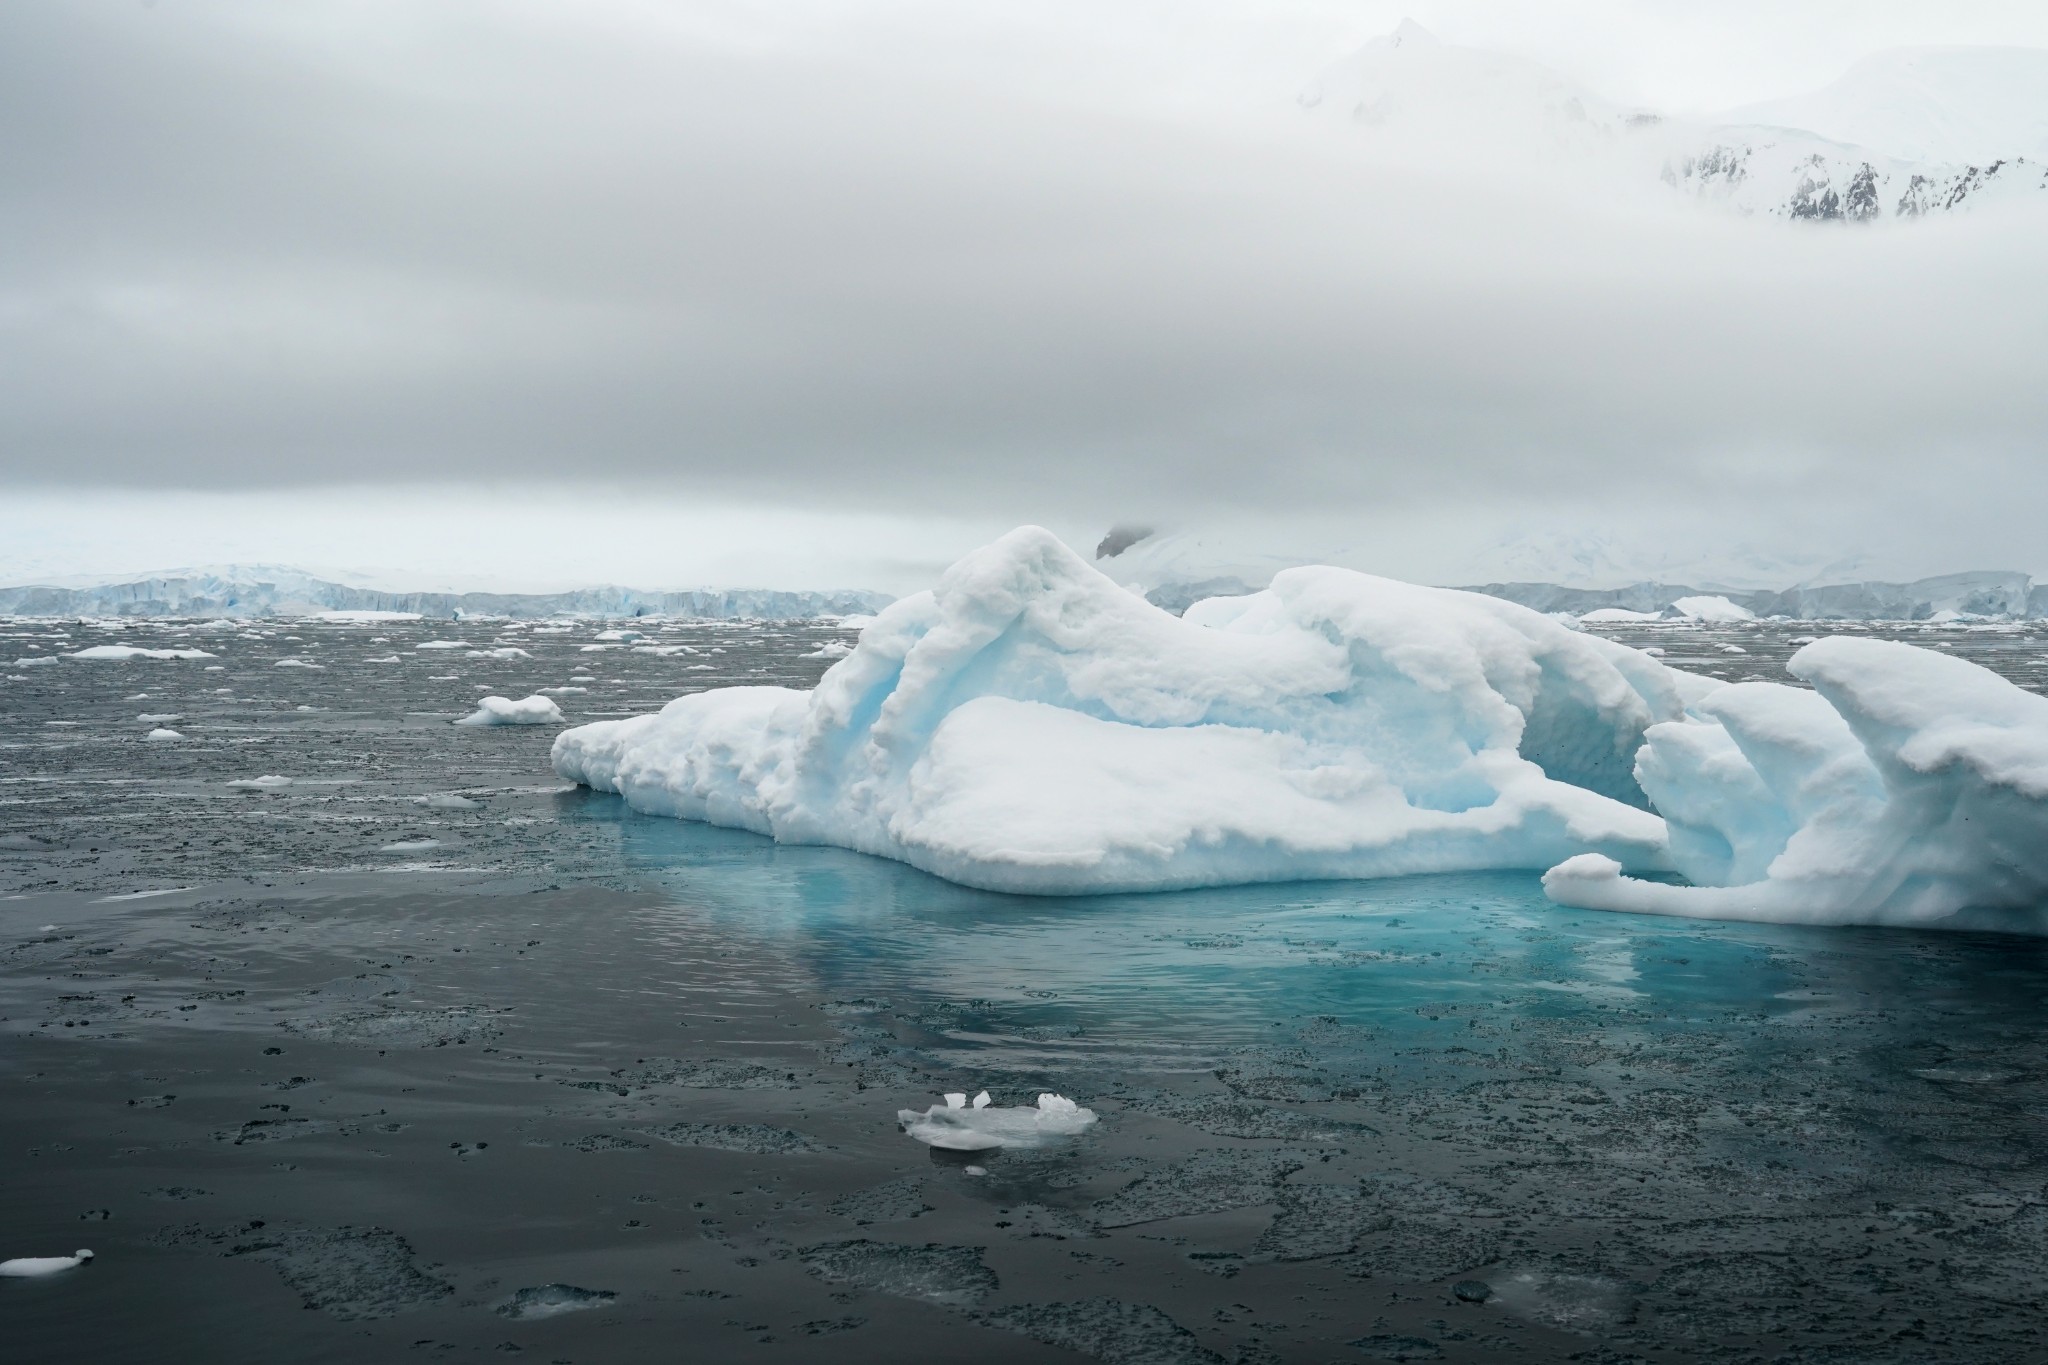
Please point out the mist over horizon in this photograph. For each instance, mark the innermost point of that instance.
(822, 299)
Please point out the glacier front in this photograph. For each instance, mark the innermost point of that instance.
(1030, 726)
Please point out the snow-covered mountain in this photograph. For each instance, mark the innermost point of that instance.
(1902, 135)
(270, 590)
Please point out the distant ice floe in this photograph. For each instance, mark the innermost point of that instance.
(123, 652)
(1029, 726)
(267, 783)
(960, 1126)
(505, 711)
(831, 649)
(162, 735)
(445, 801)
(33, 1267)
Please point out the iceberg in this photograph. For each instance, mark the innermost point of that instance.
(1907, 788)
(1030, 726)
(35, 1267)
(504, 711)
(122, 653)
(959, 1126)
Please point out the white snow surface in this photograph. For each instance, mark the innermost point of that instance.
(1908, 787)
(504, 711)
(1029, 726)
(960, 1126)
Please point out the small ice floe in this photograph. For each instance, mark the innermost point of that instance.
(505, 711)
(446, 801)
(269, 782)
(831, 649)
(959, 1126)
(411, 846)
(120, 652)
(442, 644)
(384, 659)
(296, 663)
(31, 1267)
(161, 735)
(550, 1300)
(508, 652)
(159, 717)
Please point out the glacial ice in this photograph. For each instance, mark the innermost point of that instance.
(505, 711)
(1029, 726)
(959, 1126)
(1908, 787)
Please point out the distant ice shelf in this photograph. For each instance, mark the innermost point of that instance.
(1030, 726)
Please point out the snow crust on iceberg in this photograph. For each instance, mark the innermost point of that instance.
(1030, 726)
(504, 711)
(959, 1126)
(1908, 787)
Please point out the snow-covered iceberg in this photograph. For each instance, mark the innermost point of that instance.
(1029, 726)
(1907, 787)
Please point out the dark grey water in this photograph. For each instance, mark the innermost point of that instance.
(573, 1084)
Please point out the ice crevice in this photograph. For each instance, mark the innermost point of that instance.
(1030, 726)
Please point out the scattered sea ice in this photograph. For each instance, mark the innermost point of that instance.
(505, 711)
(265, 783)
(548, 1300)
(445, 801)
(962, 1127)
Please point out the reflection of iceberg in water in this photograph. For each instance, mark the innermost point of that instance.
(1031, 727)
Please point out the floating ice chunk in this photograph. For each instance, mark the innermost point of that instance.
(1908, 787)
(442, 644)
(267, 783)
(1030, 726)
(30, 1267)
(296, 663)
(508, 652)
(505, 711)
(1617, 615)
(118, 652)
(445, 801)
(384, 659)
(158, 717)
(831, 649)
(625, 635)
(1705, 608)
(37, 659)
(410, 846)
(162, 735)
(551, 1300)
(959, 1126)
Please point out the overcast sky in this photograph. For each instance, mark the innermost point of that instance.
(860, 283)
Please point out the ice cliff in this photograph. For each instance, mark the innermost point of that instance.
(1030, 726)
